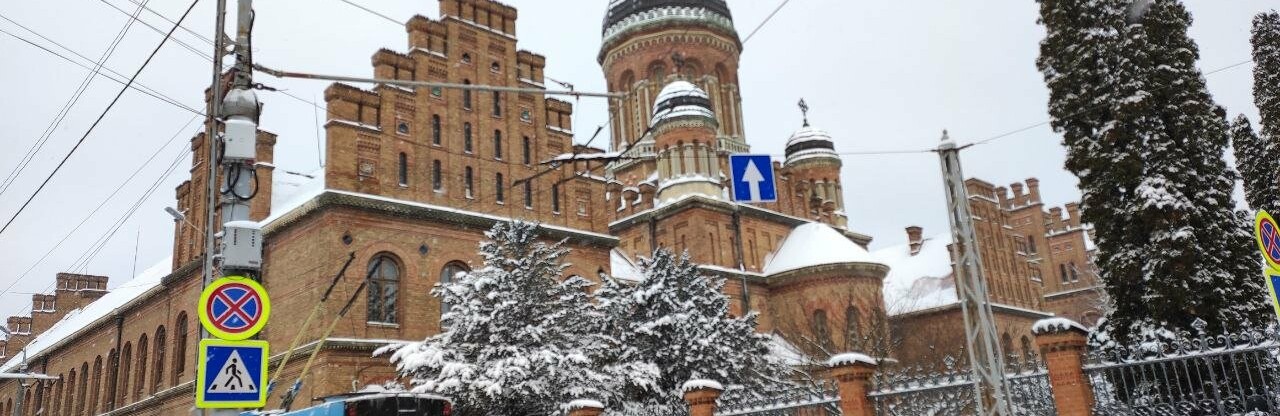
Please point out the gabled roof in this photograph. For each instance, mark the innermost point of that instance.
(815, 244)
(921, 281)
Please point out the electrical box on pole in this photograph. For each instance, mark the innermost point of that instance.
(979, 322)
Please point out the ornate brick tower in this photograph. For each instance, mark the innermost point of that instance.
(648, 43)
(814, 169)
(684, 133)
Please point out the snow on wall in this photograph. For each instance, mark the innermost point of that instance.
(1052, 325)
(849, 358)
(815, 244)
(923, 281)
(698, 384)
(80, 319)
(585, 404)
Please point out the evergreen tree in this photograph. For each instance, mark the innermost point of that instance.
(1257, 162)
(519, 340)
(1146, 141)
(678, 320)
(1266, 73)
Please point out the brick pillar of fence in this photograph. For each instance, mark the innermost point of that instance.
(1062, 343)
(585, 408)
(852, 373)
(701, 396)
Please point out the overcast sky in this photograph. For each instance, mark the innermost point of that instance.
(878, 75)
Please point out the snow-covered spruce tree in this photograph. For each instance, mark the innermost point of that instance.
(1146, 141)
(1257, 161)
(678, 320)
(1266, 72)
(519, 339)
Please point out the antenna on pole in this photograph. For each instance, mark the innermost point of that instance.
(985, 358)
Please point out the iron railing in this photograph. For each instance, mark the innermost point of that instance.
(816, 398)
(1225, 375)
(948, 389)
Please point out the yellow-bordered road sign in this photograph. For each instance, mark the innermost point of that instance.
(234, 308)
(231, 374)
(1267, 233)
(1273, 281)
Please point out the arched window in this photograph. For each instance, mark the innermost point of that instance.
(70, 393)
(402, 171)
(435, 129)
(384, 287)
(57, 394)
(82, 388)
(110, 367)
(141, 378)
(97, 386)
(466, 137)
(466, 94)
(180, 348)
(821, 331)
(437, 183)
(1006, 344)
(157, 375)
(38, 405)
(1027, 351)
(449, 275)
(497, 144)
(497, 102)
(852, 329)
(122, 383)
(528, 153)
(468, 182)
(499, 187)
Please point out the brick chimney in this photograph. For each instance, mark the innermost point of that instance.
(1002, 194)
(915, 238)
(1033, 189)
(44, 313)
(74, 291)
(1017, 194)
(1073, 215)
(1055, 219)
(19, 332)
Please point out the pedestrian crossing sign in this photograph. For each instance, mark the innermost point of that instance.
(230, 374)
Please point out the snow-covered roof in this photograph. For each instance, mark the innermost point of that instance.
(919, 282)
(621, 267)
(786, 352)
(815, 244)
(289, 191)
(80, 319)
(681, 98)
(810, 142)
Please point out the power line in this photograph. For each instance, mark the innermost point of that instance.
(766, 20)
(184, 28)
(65, 110)
(389, 19)
(184, 45)
(137, 86)
(96, 122)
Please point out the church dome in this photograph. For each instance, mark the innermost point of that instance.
(681, 99)
(810, 142)
(627, 14)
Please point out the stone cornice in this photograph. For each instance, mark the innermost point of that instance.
(610, 53)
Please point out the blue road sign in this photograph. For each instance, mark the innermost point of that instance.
(231, 374)
(753, 178)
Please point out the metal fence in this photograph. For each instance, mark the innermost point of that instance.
(948, 389)
(1227, 375)
(816, 398)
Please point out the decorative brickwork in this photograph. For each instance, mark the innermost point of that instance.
(1063, 348)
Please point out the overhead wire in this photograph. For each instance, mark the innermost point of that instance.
(66, 108)
(184, 45)
(96, 122)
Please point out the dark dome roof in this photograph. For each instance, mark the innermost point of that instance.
(620, 9)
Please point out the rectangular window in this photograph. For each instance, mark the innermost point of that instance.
(497, 179)
(555, 198)
(528, 157)
(403, 171)
(528, 194)
(466, 138)
(497, 144)
(497, 104)
(468, 183)
(435, 129)
(437, 183)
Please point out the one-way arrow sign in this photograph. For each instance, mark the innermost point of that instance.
(752, 178)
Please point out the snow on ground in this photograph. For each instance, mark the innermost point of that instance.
(815, 244)
(80, 319)
(918, 282)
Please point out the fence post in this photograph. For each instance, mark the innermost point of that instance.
(585, 408)
(1062, 343)
(701, 396)
(852, 373)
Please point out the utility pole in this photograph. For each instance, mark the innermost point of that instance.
(985, 357)
(233, 153)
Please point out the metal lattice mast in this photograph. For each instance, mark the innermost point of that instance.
(979, 323)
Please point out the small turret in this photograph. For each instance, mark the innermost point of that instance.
(684, 134)
(814, 167)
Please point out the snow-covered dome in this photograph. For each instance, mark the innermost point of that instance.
(810, 142)
(816, 244)
(680, 99)
(623, 12)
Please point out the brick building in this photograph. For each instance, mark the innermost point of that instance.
(1037, 264)
(414, 177)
